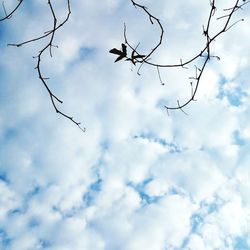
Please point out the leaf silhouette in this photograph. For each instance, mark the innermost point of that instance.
(122, 53)
(124, 48)
(116, 51)
(119, 58)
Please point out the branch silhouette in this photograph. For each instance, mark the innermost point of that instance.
(204, 53)
(8, 16)
(55, 100)
(133, 55)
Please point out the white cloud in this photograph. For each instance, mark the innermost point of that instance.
(8, 200)
(137, 177)
(162, 225)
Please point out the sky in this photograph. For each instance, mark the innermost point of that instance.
(138, 178)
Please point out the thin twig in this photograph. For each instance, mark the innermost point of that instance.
(205, 52)
(47, 33)
(8, 16)
(48, 47)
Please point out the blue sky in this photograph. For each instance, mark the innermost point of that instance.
(138, 178)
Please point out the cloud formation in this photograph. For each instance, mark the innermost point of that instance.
(138, 178)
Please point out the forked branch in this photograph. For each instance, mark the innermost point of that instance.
(9, 15)
(133, 55)
(56, 101)
(204, 52)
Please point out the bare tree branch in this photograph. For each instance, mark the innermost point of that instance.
(48, 47)
(205, 52)
(8, 16)
(47, 33)
(135, 57)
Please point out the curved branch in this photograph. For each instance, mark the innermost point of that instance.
(203, 53)
(8, 16)
(207, 49)
(45, 33)
(152, 18)
(48, 47)
(197, 55)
